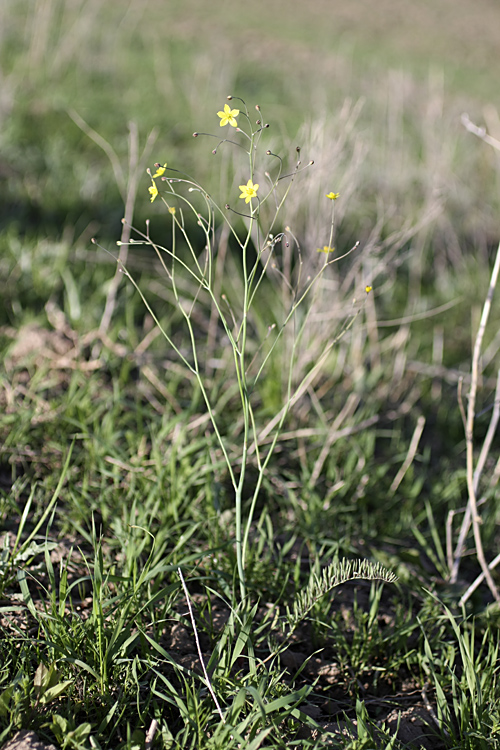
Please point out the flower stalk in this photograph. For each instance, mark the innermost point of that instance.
(180, 193)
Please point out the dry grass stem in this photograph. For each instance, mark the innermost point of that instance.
(472, 476)
(127, 184)
(417, 434)
(198, 648)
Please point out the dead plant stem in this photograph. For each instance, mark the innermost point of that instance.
(198, 648)
(473, 477)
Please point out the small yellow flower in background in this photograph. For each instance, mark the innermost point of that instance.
(333, 196)
(171, 210)
(228, 116)
(368, 289)
(248, 191)
(326, 249)
(160, 171)
(154, 191)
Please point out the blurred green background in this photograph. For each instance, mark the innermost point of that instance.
(169, 64)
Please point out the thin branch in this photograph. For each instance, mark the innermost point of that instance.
(136, 166)
(348, 410)
(478, 581)
(108, 149)
(472, 478)
(150, 734)
(480, 132)
(489, 435)
(198, 648)
(417, 434)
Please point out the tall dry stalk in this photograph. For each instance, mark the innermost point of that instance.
(474, 473)
(127, 183)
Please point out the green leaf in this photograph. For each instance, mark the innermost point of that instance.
(5, 698)
(54, 692)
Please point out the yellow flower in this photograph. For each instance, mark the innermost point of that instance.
(326, 249)
(154, 191)
(160, 171)
(228, 116)
(368, 289)
(248, 191)
(171, 210)
(333, 196)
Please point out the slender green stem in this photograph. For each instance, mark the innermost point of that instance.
(241, 373)
(240, 365)
(200, 269)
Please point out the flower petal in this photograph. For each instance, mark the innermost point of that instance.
(160, 171)
(154, 191)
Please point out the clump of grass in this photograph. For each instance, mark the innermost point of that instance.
(464, 678)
